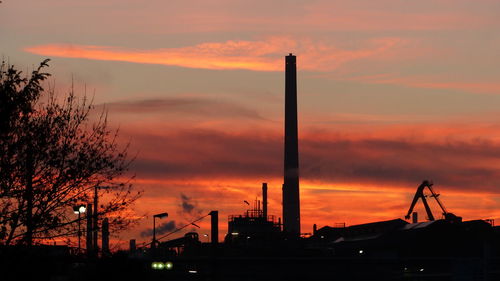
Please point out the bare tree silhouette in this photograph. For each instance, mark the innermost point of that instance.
(51, 158)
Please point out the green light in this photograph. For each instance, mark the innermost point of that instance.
(157, 265)
(160, 266)
(169, 265)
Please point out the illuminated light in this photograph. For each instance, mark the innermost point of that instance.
(193, 271)
(234, 233)
(406, 268)
(79, 209)
(361, 252)
(248, 237)
(159, 265)
(322, 236)
(169, 265)
(421, 269)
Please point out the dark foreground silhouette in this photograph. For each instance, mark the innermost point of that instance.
(388, 250)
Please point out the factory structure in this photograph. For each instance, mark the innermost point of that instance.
(256, 222)
(262, 246)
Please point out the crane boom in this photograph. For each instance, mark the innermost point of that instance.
(420, 194)
(436, 196)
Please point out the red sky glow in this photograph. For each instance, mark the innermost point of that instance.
(390, 93)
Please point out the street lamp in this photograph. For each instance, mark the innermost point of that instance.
(160, 216)
(206, 235)
(79, 209)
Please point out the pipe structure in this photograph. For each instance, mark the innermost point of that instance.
(214, 216)
(264, 200)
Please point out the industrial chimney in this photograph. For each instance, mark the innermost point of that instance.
(264, 200)
(291, 201)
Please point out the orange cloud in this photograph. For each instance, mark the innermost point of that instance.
(265, 55)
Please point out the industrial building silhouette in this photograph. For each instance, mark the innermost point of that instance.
(261, 246)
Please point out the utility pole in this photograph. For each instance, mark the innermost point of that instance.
(89, 243)
(79, 209)
(95, 225)
(105, 238)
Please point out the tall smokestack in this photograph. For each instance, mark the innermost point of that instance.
(264, 200)
(291, 201)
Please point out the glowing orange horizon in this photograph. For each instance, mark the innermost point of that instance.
(350, 203)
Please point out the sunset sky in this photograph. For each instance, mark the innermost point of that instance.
(390, 93)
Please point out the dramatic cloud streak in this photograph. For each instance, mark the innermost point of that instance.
(326, 158)
(265, 55)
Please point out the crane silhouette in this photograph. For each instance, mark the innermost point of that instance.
(420, 194)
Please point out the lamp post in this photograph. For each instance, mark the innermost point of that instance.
(79, 209)
(160, 216)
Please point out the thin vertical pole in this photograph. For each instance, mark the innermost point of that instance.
(153, 244)
(89, 230)
(95, 227)
(79, 234)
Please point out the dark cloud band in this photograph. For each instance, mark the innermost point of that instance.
(209, 154)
